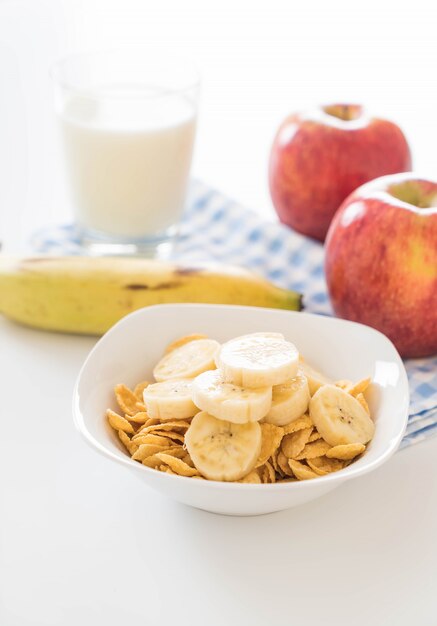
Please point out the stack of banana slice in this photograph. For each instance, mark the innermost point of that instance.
(230, 396)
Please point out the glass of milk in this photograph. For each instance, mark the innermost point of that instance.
(128, 123)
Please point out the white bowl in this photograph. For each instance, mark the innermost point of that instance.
(339, 348)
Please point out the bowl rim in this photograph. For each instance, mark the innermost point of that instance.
(346, 473)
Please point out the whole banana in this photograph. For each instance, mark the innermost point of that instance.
(88, 295)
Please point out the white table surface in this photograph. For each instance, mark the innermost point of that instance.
(84, 543)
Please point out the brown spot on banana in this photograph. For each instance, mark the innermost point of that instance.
(139, 286)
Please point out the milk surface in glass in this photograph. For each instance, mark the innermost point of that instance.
(128, 158)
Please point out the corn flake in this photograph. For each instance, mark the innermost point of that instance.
(145, 450)
(283, 464)
(274, 460)
(187, 459)
(151, 439)
(177, 465)
(323, 466)
(170, 435)
(315, 435)
(294, 443)
(138, 391)
(130, 446)
(127, 400)
(269, 473)
(118, 422)
(165, 426)
(270, 442)
(299, 424)
(152, 461)
(139, 418)
(346, 452)
(178, 452)
(301, 471)
(313, 450)
(362, 400)
(251, 477)
(359, 387)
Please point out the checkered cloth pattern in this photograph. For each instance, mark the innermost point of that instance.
(215, 228)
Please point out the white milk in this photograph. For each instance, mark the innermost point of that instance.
(128, 160)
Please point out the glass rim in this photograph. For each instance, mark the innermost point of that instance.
(55, 73)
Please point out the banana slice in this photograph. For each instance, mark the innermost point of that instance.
(170, 399)
(279, 336)
(222, 450)
(181, 341)
(229, 402)
(257, 361)
(339, 417)
(315, 378)
(289, 401)
(187, 361)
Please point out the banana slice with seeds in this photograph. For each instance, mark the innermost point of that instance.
(222, 450)
(170, 399)
(289, 401)
(187, 361)
(230, 402)
(339, 417)
(258, 360)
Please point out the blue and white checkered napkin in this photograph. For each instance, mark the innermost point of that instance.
(216, 228)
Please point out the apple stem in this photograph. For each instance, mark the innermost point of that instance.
(345, 112)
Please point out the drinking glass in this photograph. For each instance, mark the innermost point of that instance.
(128, 123)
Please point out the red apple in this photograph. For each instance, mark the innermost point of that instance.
(381, 260)
(318, 158)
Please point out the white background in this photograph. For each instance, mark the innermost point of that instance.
(81, 542)
(260, 60)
